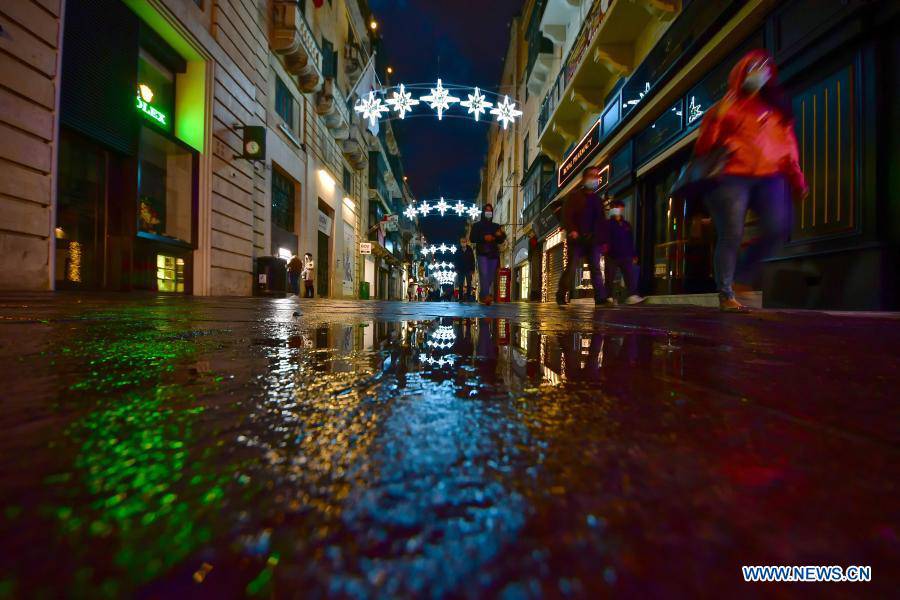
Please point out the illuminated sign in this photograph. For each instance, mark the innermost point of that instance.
(580, 154)
(144, 97)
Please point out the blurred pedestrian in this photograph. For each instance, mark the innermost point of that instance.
(309, 272)
(752, 130)
(487, 236)
(621, 255)
(586, 234)
(295, 268)
(465, 269)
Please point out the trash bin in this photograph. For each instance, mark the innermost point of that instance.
(271, 276)
(363, 290)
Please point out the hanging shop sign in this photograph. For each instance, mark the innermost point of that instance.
(365, 247)
(579, 156)
(324, 223)
(144, 98)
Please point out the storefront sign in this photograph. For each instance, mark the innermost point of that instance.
(144, 97)
(580, 154)
(365, 247)
(391, 222)
(324, 223)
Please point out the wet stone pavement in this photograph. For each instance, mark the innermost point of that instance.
(159, 447)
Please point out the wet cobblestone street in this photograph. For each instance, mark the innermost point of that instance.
(160, 447)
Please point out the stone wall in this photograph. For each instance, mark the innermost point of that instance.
(29, 74)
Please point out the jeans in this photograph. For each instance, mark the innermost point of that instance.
(728, 203)
(310, 291)
(577, 252)
(487, 273)
(295, 283)
(629, 273)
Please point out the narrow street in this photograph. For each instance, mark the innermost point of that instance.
(158, 446)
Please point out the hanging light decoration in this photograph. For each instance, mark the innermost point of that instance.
(439, 98)
(443, 207)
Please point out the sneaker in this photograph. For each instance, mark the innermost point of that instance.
(731, 305)
(634, 299)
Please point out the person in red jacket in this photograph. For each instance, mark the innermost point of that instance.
(755, 124)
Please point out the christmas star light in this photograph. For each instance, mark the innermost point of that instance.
(460, 208)
(474, 212)
(440, 99)
(476, 103)
(506, 112)
(371, 108)
(410, 212)
(442, 247)
(452, 249)
(424, 209)
(402, 101)
(442, 206)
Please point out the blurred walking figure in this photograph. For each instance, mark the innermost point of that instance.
(750, 133)
(465, 269)
(621, 255)
(487, 237)
(295, 268)
(309, 274)
(586, 233)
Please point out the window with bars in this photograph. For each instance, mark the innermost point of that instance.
(283, 200)
(284, 102)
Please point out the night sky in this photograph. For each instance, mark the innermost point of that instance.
(464, 42)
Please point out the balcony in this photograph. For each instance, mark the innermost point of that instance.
(355, 60)
(538, 188)
(293, 39)
(607, 47)
(331, 105)
(540, 51)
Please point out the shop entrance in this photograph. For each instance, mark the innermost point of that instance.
(677, 236)
(323, 267)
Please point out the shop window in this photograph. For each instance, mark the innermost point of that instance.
(169, 273)
(664, 128)
(155, 92)
(283, 201)
(165, 187)
(284, 102)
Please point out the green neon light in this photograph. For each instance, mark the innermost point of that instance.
(190, 98)
(150, 111)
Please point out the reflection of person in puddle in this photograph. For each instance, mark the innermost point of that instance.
(487, 349)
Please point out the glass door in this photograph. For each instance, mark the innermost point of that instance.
(80, 217)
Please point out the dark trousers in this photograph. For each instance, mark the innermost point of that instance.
(465, 284)
(728, 203)
(629, 273)
(295, 282)
(308, 288)
(487, 273)
(577, 253)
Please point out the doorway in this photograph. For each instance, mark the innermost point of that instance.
(324, 262)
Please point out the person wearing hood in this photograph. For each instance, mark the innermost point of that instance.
(585, 224)
(487, 237)
(754, 123)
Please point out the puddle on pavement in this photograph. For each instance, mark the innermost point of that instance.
(382, 459)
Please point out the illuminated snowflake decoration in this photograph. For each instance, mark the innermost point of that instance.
(402, 101)
(474, 212)
(476, 104)
(424, 209)
(443, 247)
(452, 249)
(695, 111)
(460, 208)
(506, 112)
(442, 206)
(410, 212)
(440, 99)
(371, 108)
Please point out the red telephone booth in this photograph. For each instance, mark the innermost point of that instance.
(504, 282)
